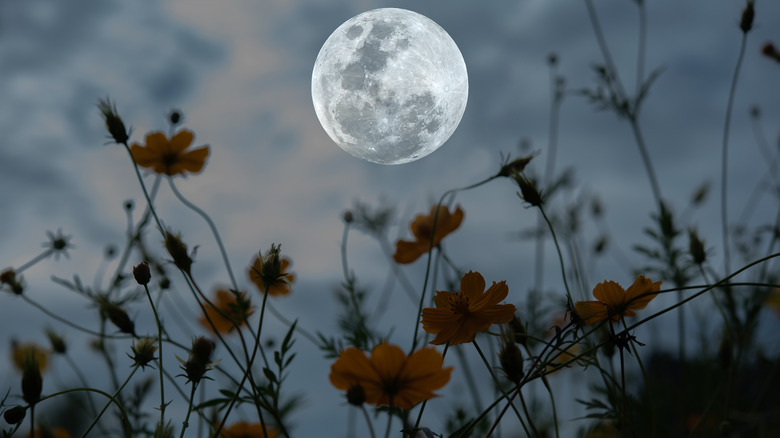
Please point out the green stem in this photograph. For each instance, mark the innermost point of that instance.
(34, 260)
(112, 399)
(560, 256)
(160, 360)
(368, 420)
(186, 422)
(498, 385)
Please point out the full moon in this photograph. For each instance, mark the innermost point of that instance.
(389, 86)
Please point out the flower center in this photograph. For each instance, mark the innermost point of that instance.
(459, 304)
(169, 159)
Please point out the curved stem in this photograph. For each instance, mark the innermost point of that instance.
(112, 399)
(368, 420)
(213, 227)
(34, 260)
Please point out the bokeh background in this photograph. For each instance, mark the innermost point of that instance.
(240, 71)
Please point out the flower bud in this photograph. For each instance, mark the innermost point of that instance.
(15, 414)
(696, 247)
(528, 190)
(57, 342)
(8, 277)
(770, 51)
(174, 117)
(114, 123)
(32, 382)
(348, 217)
(142, 273)
(515, 166)
(178, 251)
(119, 317)
(518, 331)
(511, 359)
(199, 360)
(748, 14)
(143, 351)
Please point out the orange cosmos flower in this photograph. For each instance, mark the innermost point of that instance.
(170, 157)
(279, 287)
(422, 226)
(242, 429)
(458, 317)
(614, 302)
(389, 377)
(235, 309)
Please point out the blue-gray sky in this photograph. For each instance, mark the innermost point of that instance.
(241, 71)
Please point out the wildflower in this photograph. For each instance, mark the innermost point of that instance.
(422, 227)
(389, 377)
(114, 123)
(614, 302)
(142, 273)
(143, 351)
(58, 244)
(232, 309)
(20, 353)
(242, 429)
(458, 317)
(170, 157)
(32, 382)
(8, 277)
(273, 269)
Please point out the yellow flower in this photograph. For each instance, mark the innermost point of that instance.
(236, 309)
(279, 287)
(459, 316)
(422, 226)
(389, 377)
(20, 352)
(614, 302)
(170, 157)
(242, 429)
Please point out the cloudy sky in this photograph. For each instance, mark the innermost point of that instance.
(241, 71)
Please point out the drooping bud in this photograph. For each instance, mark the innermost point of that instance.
(118, 316)
(199, 360)
(142, 273)
(518, 331)
(114, 123)
(515, 166)
(143, 351)
(178, 251)
(15, 414)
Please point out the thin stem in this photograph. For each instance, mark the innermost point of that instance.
(146, 193)
(425, 403)
(368, 420)
(186, 421)
(498, 385)
(34, 260)
(389, 418)
(213, 227)
(112, 399)
(724, 157)
(560, 255)
(160, 359)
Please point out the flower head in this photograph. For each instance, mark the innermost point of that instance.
(58, 244)
(389, 376)
(614, 302)
(422, 227)
(242, 429)
(20, 353)
(170, 157)
(274, 267)
(232, 309)
(143, 351)
(458, 317)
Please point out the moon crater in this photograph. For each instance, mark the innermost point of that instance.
(389, 86)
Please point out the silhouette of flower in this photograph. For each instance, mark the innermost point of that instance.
(614, 302)
(20, 352)
(278, 287)
(422, 227)
(170, 157)
(389, 377)
(458, 317)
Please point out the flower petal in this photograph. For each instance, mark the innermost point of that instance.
(181, 140)
(610, 293)
(472, 285)
(407, 252)
(592, 311)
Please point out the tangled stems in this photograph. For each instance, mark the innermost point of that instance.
(430, 249)
(560, 256)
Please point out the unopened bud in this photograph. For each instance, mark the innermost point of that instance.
(32, 382)
(174, 117)
(748, 14)
(119, 317)
(57, 342)
(518, 331)
(178, 251)
(199, 360)
(348, 217)
(143, 351)
(114, 123)
(142, 273)
(15, 414)
(770, 51)
(696, 247)
(511, 360)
